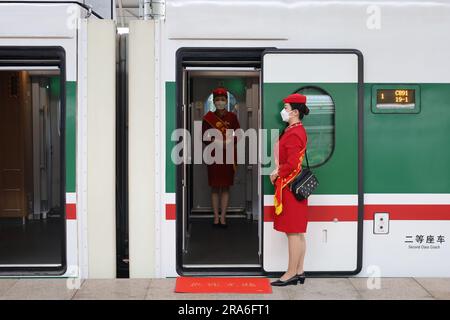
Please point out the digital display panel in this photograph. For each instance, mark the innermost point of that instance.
(396, 98)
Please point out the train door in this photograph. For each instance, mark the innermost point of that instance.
(201, 247)
(204, 245)
(32, 215)
(332, 81)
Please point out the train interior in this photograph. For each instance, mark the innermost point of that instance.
(238, 245)
(32, 222)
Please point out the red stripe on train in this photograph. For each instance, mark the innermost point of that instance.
(71, 211)
(171, 211)
(350, 213)
(321, 213)
(410, 211)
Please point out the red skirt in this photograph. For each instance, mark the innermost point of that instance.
(220, 175)
(294, 217)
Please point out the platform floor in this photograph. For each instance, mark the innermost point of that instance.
(157, 289)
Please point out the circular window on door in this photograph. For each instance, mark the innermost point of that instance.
(319, 124)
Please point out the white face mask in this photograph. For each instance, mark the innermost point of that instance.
(285, 115)
(220, 105)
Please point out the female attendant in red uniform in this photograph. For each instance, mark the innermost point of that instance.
(291, 214)
(221, 175)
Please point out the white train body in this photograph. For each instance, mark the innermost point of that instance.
(365, 45)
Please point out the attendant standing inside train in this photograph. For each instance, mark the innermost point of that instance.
(291, 214)
(221, 175)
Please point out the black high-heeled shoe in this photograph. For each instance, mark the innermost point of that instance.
(301, 278)
(288, 282)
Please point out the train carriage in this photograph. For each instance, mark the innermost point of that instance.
(377, 79)
(382, 206)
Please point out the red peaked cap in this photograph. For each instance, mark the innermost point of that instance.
(220, 92)
(295, 98)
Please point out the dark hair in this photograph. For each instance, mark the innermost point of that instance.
(303, 110)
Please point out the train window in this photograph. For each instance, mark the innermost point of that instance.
(397, 98)
(319, 124)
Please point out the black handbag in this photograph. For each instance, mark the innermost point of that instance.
(304, 183)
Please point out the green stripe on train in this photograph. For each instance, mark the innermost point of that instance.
(342, 165)
(71, 102)
(409, 153)
(403, 153)
(71, 111)
(170, 126)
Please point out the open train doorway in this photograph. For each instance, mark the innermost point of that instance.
(332, 79)
(238, 244)
(32, 215)
(203, 246)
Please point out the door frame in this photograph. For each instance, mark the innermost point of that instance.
(360, 107)
(43, 56)
(253, 56)
(207, 57)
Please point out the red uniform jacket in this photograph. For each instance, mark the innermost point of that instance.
(221, 174)
(290, 214)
